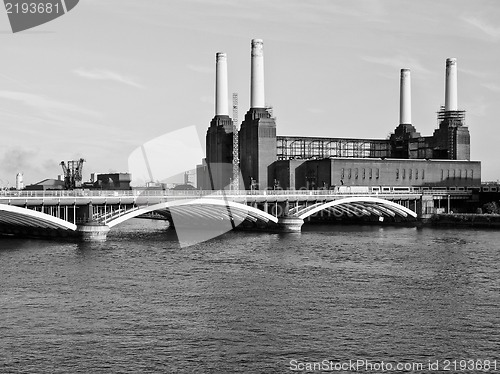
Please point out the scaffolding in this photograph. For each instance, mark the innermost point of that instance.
(236, 158)
(289, 148)
(455, 117)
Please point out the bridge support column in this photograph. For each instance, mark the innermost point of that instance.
(92, 232)
(287, 207)
(290, 224)
(427, 207)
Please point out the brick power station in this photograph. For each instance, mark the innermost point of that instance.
(266, 160)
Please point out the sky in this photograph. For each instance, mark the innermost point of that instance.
(112, 75)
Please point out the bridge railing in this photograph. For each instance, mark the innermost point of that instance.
(145, 192)
(207, 193)
(444, 193)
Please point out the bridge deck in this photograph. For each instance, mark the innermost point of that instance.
(148, 197)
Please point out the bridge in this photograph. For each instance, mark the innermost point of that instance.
(90, 214)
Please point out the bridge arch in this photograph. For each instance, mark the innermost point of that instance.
(17, 216)
(380, 205)
(239, 210)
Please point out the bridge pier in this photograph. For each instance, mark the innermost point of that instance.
(92, 232)
(290, 224)
(426, 207)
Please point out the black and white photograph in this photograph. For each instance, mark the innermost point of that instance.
(249, 186)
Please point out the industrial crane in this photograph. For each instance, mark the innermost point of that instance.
(73, 174)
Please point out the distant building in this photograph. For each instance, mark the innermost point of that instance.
(329, 173)
(112, 181)
(405, 158)
(184, 187)
(46, 184)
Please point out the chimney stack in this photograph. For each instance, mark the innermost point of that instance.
(257, 98)
(221, 90)
(450, 103)
(405, 98)
(19, 181)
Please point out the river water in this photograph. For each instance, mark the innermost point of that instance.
(249, 302)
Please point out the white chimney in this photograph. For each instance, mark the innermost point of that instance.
(19, 181)
(221, 90)
(405, 98)
(257, 98)
(451, 100)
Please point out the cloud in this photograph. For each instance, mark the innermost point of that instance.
(207, 99)
(27, 161)
(492, 86)
(398, 62)
(31, 112)
(16, 160)
(296, 11)
(201, 69)
(490, 30)
(16, 81)
(316, 110)
(101, 74)
(475, 73)
(478, 107)
(45, 104)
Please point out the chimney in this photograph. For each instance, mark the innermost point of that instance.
(19, 181)
(405, 98)
(451, 85)
(221, 91)
(257, 99)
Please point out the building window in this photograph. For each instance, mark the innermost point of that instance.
(460, 174)
(423, 174)
(378, 173)
(442, 174)
(364, 173)
(466, 176)
(397, 173)
(371, 173)
(471, 174)
(416, 173)
(349, 174)
(356, 173)
(448, 173)
(342, 173)
(404, 173)
(410, 173)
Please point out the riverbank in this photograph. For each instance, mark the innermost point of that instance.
(465, 220)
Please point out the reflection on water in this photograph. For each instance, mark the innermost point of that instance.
(248, 302)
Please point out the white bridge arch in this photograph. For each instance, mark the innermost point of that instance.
(17, 216)
(371, 205)
(236, 210)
